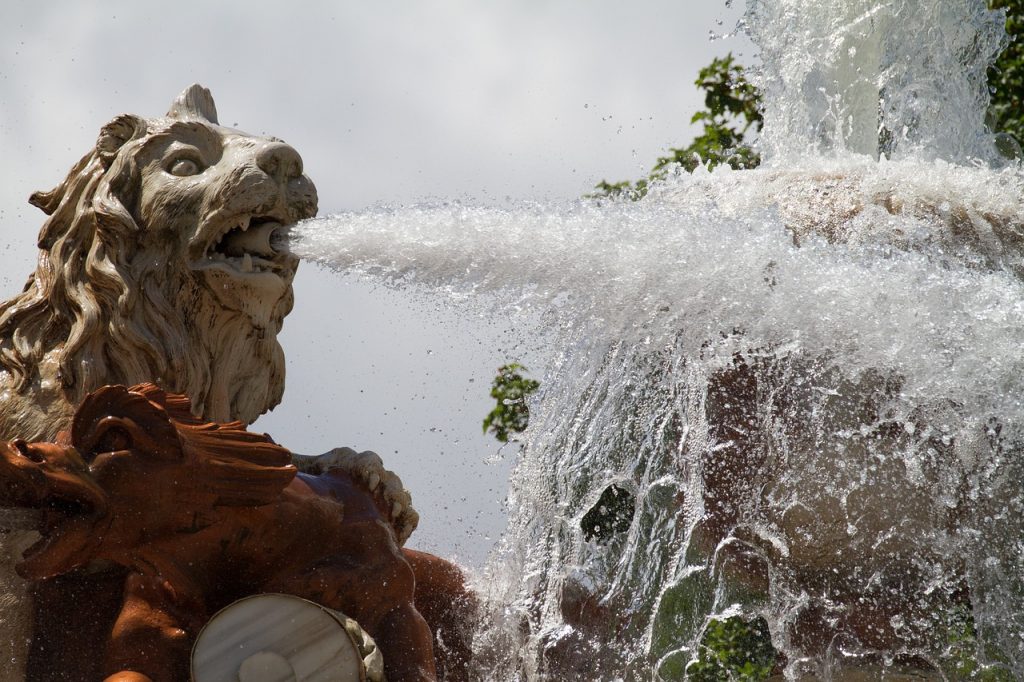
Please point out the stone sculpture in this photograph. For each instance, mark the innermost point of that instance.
(282, 638)
(442, 595)
(144, 275)
(201, 514)
(156, 265)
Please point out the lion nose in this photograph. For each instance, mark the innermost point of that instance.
(279, 160)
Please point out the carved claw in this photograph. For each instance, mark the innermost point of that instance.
(368, 468)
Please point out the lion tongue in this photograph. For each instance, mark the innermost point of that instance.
(66, 547)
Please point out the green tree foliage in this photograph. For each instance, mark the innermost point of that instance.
(732, 112)
(960, 658)
(1007, 76)
(734, 649)
(511, 414)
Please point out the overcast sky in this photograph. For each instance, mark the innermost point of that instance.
(391, 102)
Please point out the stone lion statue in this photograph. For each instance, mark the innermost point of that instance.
(155, 264)
(200, 514)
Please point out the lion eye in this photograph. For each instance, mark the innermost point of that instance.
(112, 440)
(184, 167)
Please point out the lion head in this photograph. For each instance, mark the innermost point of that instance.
(156, 264)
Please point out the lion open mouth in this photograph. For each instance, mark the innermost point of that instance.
(69, 533)
(57, 513)
(68, 509)
(245, 245)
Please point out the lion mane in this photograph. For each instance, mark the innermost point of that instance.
(101, 314)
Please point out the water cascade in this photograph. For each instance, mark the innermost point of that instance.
(788, 398)
(903, 77)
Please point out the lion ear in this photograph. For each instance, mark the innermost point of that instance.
(195, 102)
(116, 134)
(138, 422)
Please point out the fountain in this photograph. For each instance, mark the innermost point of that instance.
(787, 398)
(783, 409)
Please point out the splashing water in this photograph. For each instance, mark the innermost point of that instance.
(903, 77)
(792, 393)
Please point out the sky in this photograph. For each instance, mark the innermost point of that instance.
(388, 102)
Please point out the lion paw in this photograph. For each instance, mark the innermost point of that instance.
(368, 468)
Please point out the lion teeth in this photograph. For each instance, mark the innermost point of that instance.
(246, 263)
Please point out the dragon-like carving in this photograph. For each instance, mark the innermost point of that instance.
(200, 514)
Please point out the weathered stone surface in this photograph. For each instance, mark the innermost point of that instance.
(135, 283)
(198, 514)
